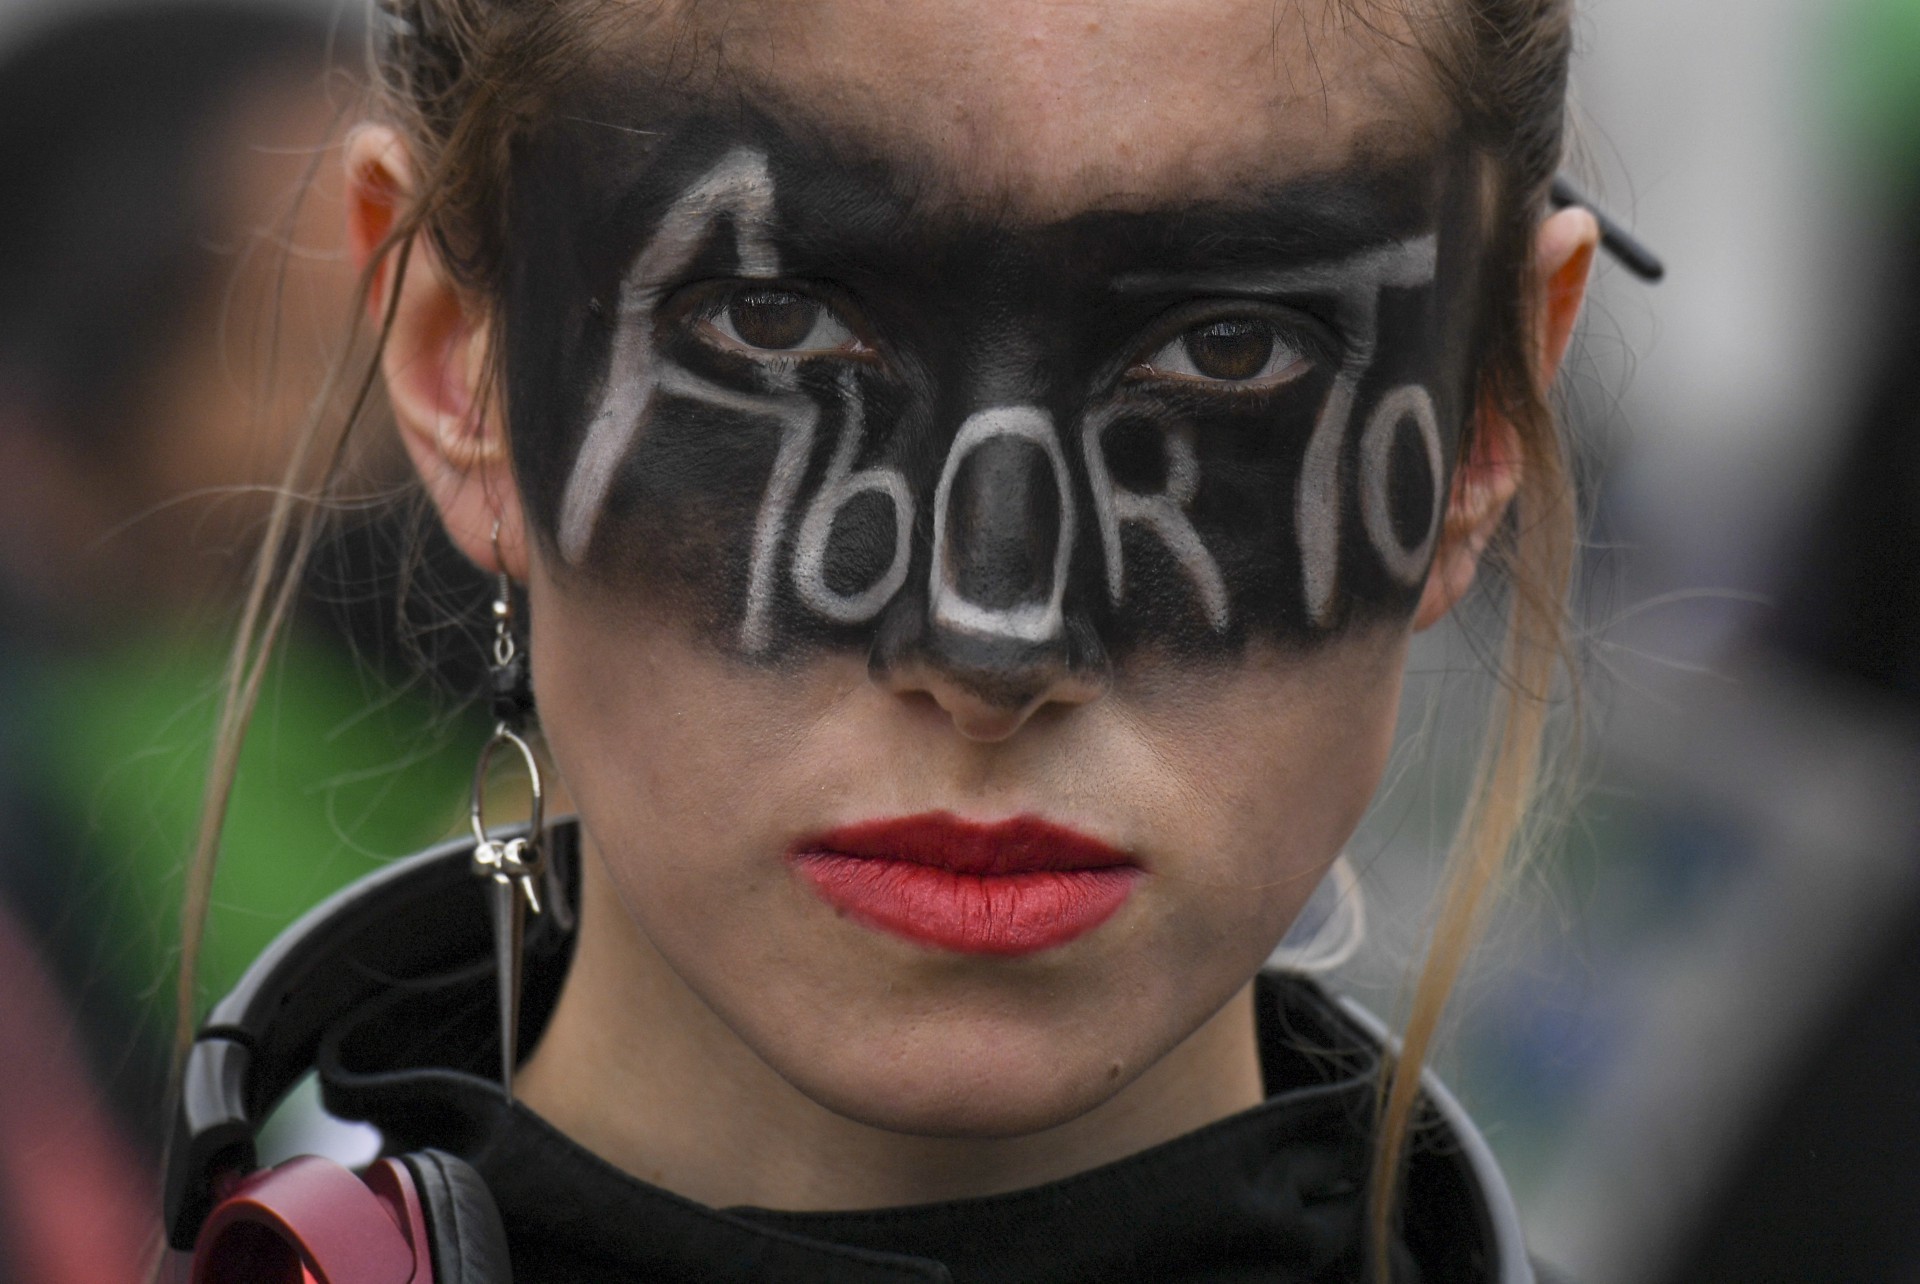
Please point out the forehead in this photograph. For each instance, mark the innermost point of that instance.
(1042, 109)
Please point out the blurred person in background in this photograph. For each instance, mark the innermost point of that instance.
(1758, 1120)
(1822, 1182)
(1851, 608)
(166, 309)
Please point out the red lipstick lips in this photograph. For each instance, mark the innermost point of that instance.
(1013, 887)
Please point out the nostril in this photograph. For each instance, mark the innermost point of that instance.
(989, 684)
(990, 687)
(985, 723)
(981, 707)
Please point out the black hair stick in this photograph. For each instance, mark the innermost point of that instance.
(1614, 239)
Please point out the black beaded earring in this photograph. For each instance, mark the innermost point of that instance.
(511, 865)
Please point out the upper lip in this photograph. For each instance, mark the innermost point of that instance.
(1018, 845)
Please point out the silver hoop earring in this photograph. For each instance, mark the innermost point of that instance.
(511, 867)
(1332, 925)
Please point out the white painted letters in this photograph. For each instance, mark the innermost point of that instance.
(1029, 622)
(740, 186)
(842, 484)
(797, 416)
(1410, 401)
(1163, 513)
(1361, 281)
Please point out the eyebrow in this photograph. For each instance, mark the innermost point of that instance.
(1399, 263)
(1301, 238)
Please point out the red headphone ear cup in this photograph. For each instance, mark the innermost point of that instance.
(469, 1241)
(310, 1219)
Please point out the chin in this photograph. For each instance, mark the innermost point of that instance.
(970, 1084)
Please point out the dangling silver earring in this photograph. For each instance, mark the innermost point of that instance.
(511, 867)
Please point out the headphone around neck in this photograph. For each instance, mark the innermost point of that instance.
(420, 1218)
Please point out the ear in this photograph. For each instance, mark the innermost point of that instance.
(1488, 478)
(434, 359)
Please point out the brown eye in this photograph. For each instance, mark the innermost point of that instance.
(776, 320)
(765, 319)
(1234, 350)
(1240, 353)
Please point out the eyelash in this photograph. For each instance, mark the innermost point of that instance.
(826, 334)
(1293, 348)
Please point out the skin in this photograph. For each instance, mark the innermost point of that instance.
(723, 1032)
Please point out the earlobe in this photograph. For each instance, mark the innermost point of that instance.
(433, 358)
(1488, 478)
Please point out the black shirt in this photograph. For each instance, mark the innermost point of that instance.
(1276, 1193)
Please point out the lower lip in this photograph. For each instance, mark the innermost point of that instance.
(1000, 913)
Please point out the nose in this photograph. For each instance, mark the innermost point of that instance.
(989, 687)
(992, 639)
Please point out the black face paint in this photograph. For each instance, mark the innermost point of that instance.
(757, 381)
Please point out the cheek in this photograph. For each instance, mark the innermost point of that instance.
(679, 511)
(654, 729)
(1275, 764)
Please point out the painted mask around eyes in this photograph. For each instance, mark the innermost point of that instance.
(760, 386)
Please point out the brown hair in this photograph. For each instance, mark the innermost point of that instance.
(1503, 63)
(464, 79)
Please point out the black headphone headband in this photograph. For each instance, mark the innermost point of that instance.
(418, 918)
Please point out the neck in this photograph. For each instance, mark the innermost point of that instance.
(638, 1069)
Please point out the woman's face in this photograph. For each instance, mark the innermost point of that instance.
(982, 461)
